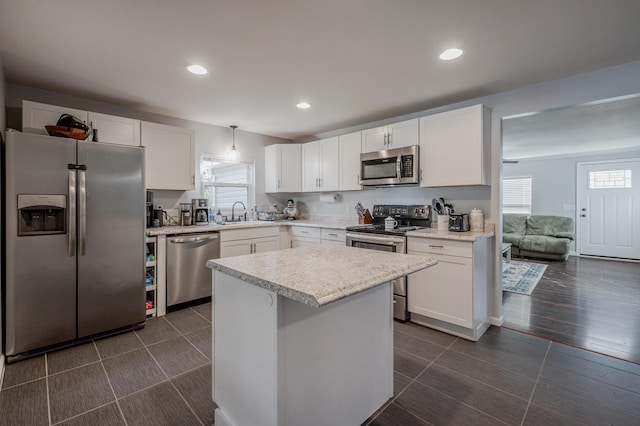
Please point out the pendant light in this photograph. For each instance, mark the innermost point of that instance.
(233, 155)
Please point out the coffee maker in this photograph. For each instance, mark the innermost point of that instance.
(185, 214)
(200, 211)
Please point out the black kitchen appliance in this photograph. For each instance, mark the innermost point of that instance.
(459, 222)
(149, 209)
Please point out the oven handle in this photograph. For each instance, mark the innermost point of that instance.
(399, 168)
(386, 240)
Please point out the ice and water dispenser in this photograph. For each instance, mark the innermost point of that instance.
(41, 214)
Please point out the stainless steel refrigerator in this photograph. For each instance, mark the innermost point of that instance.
(75, 240)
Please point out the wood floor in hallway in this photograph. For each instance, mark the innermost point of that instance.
(584, 302)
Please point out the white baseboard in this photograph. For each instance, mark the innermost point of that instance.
(497, 321)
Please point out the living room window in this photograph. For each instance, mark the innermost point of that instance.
(516, 195)
(224, 183)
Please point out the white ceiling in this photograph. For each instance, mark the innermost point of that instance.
(355, 61)
(609, 125)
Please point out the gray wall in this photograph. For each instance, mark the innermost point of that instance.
(209, 139)
(553, 183)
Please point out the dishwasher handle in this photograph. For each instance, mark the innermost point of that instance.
(198, 239)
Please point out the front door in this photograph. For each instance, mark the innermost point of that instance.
(609, 208)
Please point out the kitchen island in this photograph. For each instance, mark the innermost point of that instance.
(304, 335)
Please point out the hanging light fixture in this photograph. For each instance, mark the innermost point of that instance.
(233, 154)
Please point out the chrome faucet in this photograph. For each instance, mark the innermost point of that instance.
(233, 207)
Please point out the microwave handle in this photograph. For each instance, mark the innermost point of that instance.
(399, 168)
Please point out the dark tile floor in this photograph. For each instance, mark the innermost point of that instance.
(161, 375)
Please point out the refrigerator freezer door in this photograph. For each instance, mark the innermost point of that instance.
(111, 247)
(40, 273)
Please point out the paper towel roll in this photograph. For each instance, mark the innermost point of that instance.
(329, 198)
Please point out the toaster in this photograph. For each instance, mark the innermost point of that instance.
(459, 222)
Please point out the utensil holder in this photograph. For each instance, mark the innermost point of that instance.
(442, 222)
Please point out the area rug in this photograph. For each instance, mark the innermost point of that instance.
(521, 277)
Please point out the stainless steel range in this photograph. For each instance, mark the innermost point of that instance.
(376, 237)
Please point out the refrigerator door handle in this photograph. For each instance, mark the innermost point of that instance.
(82, 211)
(71, 216)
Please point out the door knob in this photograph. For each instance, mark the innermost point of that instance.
(583, 215)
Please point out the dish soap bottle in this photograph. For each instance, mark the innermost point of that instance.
(219, 217)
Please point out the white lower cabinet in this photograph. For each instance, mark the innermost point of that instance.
(452, 296)
(307, 235)
(236, 242)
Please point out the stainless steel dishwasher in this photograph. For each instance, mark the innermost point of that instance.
(187, 276)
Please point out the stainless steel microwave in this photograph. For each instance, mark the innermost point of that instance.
(390, 167)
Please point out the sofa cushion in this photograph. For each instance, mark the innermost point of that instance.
(514, 224)
(549, 225)
(512, 238)
(544, 244)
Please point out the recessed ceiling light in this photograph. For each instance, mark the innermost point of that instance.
(450, 54)
(197, 69)
(303, 105)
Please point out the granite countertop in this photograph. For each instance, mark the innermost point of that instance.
(450, 235)
(339, 223)
(320, 274)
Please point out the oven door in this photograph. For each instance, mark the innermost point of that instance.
(390, 243)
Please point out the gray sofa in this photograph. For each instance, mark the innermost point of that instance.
(546, 237)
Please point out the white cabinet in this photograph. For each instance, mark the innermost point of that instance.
(396, 135)
(455, 148)
(350, 149)
(36, 115)
(236, 242)
(336, 237)
(307, 235)
(320, 161)
(282, 168)
(452, 296)
(170, 157)
(112, 129)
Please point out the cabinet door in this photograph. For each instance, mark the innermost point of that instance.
(443, 291)
(272, 166)
(329, 176)
(311, 163)
(290, 168)
(261, 245)
(404, 133)
(374, 139)
(350, 148)
(170, 157)
(112, 129)
(36, 115)
(303, 242)
(235, 248)
(454, 147)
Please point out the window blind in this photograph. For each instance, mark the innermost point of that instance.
(516, 195)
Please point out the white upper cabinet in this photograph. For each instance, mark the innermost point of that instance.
(36, 115)
(350, 149)
(170, 157)
(396, 135)
(282, 168)
(112, 129)
(455, 147)
(320, 165)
